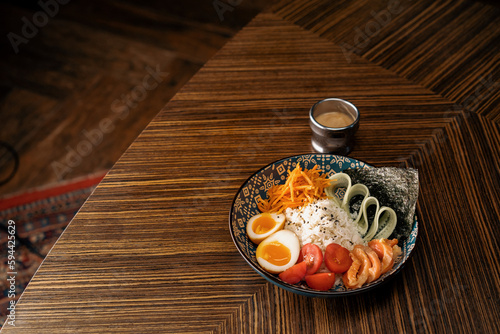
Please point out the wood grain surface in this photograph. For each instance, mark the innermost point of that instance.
(150, 251)
(87, 66)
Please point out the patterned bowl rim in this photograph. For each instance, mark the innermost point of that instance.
(308, 291)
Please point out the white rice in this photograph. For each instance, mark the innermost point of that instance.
(323, 223)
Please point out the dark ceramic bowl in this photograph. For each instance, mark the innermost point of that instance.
(244, 206)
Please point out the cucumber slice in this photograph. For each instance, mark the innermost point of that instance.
(385, 219)
(363, 223)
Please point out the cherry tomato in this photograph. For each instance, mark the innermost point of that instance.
(321, 281)
(294, 274)
(337, 258)
(312, 255)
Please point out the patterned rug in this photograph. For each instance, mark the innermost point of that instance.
(31, 223)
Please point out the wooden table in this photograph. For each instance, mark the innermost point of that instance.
(150, 251)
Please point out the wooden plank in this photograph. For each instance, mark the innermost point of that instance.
(450, 47)
(90, 137)
(87, 56)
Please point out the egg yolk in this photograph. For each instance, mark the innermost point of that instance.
(263, 224)
(276, 253)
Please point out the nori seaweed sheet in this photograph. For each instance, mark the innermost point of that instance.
(394, 187)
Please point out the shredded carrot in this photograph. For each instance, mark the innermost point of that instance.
(302, 187)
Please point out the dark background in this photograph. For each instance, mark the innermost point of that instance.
(72, 98)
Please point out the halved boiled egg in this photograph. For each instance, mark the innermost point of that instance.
(278, 252)
(263, 225)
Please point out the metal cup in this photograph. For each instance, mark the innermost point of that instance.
(332, 139)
